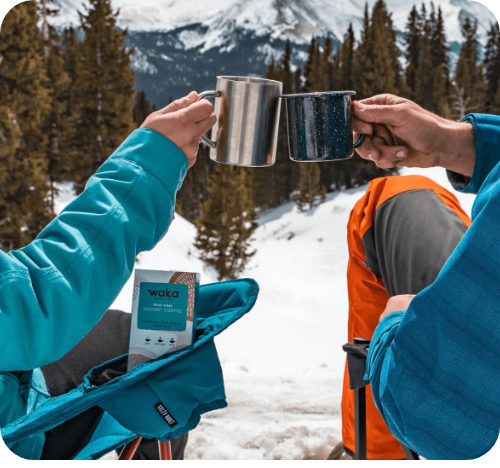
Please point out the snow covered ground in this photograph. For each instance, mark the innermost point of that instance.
(283, 362)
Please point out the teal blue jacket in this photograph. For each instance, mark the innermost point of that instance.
(53, 291)
(434, 369)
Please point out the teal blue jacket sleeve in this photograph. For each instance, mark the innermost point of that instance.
(53, 291)
(435, 368)
(487, 140)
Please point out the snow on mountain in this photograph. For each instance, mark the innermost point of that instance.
(283, 363)
(295, 19)
(183, 45)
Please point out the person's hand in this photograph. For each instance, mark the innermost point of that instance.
(396, 304)
(184, 122)
(401, 133)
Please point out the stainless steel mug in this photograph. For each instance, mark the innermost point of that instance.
(320, 126)
(247, 110)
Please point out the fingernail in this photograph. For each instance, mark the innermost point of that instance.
(400, 154)
(365, 130)
(370, 157)
(359, 105)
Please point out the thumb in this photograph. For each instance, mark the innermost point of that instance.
(376, 113)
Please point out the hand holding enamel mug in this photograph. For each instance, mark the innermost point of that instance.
(401, 133)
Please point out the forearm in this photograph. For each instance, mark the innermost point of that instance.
(56, 289)
(457, 152)
(485, 130)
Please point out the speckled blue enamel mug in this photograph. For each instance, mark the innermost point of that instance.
(320, 126)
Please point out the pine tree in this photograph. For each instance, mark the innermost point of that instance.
(69, 46)
(424, 76)
(439, 44)
(103, 92)
(311, 68)
(469, 84)
(194, 191)
(441, 86)
(273, 185)
(9, 208)
(57, 123)
(377, 66)
(25, 102)
(363, 63)
(297, 80)
(310, 193)
(495, 107)
(492, 65)
(346, 64)
(142, 108)
(282, 171)
(227, 222)
(326, 72)
(413, 36)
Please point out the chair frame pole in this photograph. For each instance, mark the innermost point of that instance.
(165, 450)
(360, 423)
(129, 450)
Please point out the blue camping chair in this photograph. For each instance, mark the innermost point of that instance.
(186, 384)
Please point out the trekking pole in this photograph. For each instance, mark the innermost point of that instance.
(165, 450)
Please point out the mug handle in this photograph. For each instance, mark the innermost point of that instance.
(206, 141)
(359, 141)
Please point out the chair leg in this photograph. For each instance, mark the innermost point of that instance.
(410, 454)
(130, 449)
(165, 450)
(360, 423)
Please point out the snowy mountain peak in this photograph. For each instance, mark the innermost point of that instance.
(297, 20)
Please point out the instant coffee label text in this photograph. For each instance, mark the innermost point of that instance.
(162, 306)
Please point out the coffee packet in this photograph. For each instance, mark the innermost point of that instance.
(163, 314)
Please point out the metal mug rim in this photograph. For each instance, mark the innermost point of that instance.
(256, 80)
(318, 94)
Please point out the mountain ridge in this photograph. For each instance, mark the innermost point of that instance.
(183, 44)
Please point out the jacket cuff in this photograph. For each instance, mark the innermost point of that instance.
(157, 155)
(487, 141)
(382, 338)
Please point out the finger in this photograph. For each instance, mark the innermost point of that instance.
(198, 111)
(205, 125)
(381, 131)
(181, 103)
(383, 100)
(386, 165)
(376, 113)
(359, 126)
(390, 154)
(368, 151)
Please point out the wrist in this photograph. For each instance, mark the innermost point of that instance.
(458, 150)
